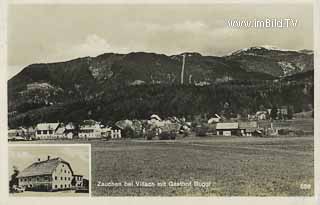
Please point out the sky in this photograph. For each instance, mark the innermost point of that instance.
(52, 33)
(23, 156)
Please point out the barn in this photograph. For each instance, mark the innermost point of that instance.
(227, 128)
(248, 128)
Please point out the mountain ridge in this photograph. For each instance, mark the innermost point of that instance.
(88, 79)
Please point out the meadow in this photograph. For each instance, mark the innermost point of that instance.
(233, 167)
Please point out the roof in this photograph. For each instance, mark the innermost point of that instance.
(227, 125)
(122, 124)
(261, 112)
(246, 125)
(154, 116)
(15, 131)
(60, 130)
(90, 122)
(42, 168)
(70, 126)
(47, 126)
(264, 124)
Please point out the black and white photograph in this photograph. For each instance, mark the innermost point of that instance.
(49, 170)
(210, 100)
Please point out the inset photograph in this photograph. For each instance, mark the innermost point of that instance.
(49, 170)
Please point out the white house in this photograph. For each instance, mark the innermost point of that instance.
(261, 115)
(47, 130)
(90, 129)
(214, 119)
(115, 134)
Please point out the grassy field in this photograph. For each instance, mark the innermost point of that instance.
(234, 167)
(297, 124)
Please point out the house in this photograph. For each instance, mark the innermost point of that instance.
(16, 134)
(155, 117)
(115, 134)
(248, 128)
(261, 115)
(78, 181)
(283, 112)
(60, 133)
(48, 175)
(214, 119)
(70, 130)
(46, 130)
(90, 129)
(31, 132)
(227, 128)
(65, 131)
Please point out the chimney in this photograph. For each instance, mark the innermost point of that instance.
(48, 157)
(39, 159)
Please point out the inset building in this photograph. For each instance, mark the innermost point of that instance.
(48, 175)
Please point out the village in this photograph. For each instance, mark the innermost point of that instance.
(261, 124)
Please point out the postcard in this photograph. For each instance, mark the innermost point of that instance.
(115, 100)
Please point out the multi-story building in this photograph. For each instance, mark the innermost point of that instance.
(90, 129)
(48, 175)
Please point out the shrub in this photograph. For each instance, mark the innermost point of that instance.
(167, 135)
(201, 131)
(284, 131)
(130, 133)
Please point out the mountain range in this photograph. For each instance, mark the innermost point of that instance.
(88, 78)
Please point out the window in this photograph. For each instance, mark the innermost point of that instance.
(62, 165)
(69, 185)
(55, 186)
(45, 132)
(56, 178)
(61, 186)
(65, 178)
(65, 186)
(50, 132)
(61, 178)
(37, 178)
(65, 171)
(39, 132)
(69, 178)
